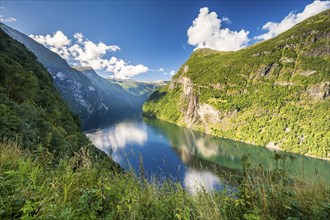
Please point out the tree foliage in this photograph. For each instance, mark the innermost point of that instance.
(31, 110)
(274, 91)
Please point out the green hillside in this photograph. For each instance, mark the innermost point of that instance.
(49, 169)
(137, 88)
(32, 114)
(273, 93)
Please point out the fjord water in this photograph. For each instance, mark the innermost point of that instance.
(165, 150)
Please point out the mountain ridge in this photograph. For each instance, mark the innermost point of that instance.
(121, 97)
(89, 95)
(32, 113)
(72, 85)
(264, 94)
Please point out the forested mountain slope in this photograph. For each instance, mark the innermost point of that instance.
(87, 93)
(75, 88)
(32, 113)
(273, 93)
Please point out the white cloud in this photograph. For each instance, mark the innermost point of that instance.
(206, 32)
(273, 28)
(79, 37)
(226, 20)
(88, 53)
(87, 50)
(57, 43)
(58, 40)
(172, 72)
(161, 69)
(7, 20)
(62, 51)
(123, 70)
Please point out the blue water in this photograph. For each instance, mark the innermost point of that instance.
(196, 160)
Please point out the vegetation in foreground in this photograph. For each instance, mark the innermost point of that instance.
(47, 174)
(32, 186)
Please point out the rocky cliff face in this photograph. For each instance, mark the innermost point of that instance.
(121, 95)
(193, 111)
(75, 88)
(89, 95)
(320, 91)
(274, 93)
(32, 113)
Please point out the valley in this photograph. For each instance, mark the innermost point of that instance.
(235, 134)
(88, 94)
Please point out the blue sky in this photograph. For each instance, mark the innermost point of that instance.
(151, 35)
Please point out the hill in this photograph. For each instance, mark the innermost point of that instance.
(274, 93)
(45, 173)
(32, 113)
(89, 95)
(140, 89)
(120, 98)
(74, 87)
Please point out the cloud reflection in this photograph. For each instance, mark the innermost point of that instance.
(206, 147)
(119, 136)
(195, 181)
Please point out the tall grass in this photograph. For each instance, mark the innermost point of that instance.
(32, 186)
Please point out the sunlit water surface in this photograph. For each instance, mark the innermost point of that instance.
(196, 160)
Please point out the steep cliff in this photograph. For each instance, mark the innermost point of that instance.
(75, 88)
(274, 93)
(32, 113)
(88, 94)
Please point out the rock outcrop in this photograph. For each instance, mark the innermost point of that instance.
(276, 91)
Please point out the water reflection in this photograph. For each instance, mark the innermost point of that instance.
(228, 153)
(205, 148)
(184, 154)
(119, 136)
(187, 156)
(199, 181)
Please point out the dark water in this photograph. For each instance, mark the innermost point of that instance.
(193, 158)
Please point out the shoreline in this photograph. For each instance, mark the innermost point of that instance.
(277, 148)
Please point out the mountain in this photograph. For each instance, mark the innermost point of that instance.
(120, 97)
(75, 88)
(140, 89)
(274, 93)
(89, 95)
(32, 113)
(119, 92)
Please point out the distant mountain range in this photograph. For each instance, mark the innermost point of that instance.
(121, 93)
(275, 93)
(120, 98)
(86, 92)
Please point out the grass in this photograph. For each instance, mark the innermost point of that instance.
(47, 174)
(33, 186)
